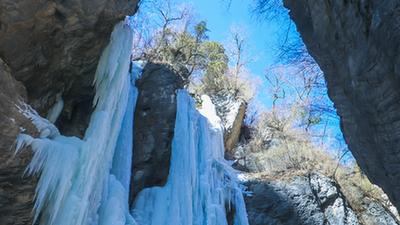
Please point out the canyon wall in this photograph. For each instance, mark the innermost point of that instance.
(356, 44)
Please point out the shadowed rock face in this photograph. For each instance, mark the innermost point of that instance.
(310, 199)
(54, 46)
(46, 47)
(357, 45)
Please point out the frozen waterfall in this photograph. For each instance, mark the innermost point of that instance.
(87, 181)
(201, 184)
(78, 183)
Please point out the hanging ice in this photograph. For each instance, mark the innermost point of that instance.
(201, 184)
(76, 186)
(56, 109)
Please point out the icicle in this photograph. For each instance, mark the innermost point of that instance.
(45, 128)
(200, 182)
(56, 109)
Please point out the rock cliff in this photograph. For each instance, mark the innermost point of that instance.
(49, 51)
(16, 192)
(357, 45)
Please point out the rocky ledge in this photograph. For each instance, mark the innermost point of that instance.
(232, 112)
(305, 199)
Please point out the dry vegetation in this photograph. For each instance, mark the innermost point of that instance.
(279, 150)
(297, 158)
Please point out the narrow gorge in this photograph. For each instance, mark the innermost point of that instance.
(90, 136)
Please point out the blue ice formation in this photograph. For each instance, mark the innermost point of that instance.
(87, 181)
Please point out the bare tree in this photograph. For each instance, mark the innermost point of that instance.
(238, 47)
(277, 82)
(301, 87)
(158, 25)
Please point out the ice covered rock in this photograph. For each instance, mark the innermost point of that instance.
(231, 111)
(201, 188)
(82, 180)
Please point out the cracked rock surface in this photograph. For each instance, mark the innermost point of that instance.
(309, 199)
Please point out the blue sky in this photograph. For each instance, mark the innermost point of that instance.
(262, 35)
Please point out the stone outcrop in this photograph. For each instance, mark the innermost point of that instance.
(357, 45)
(47, 49)
(154, 124)
(310, 199)
(307, 199)
(231, 111)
